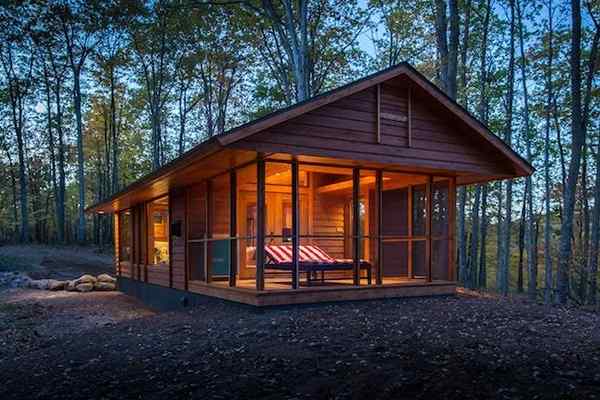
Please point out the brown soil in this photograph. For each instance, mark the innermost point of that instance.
(55, 262)
(465, 347)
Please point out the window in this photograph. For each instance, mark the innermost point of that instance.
(158, 231)
(125, 235)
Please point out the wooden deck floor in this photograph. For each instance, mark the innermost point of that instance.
(278, 292)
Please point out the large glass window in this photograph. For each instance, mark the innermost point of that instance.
(158, 231)
(125, 230)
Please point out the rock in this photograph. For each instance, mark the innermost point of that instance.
(105, 286)
(41, 284)
(53, 284)
(85, 279)
(84, 287)
(106, 278)
(70, 286)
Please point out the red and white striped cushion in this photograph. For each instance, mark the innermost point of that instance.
(308, 253)
(279, 254)
(314, 254)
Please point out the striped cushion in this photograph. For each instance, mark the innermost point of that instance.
(279, 254)
(308, 253)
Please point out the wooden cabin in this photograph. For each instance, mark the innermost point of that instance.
(349, 195)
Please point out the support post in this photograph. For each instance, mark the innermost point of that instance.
(379, 206)
(260, 223)
(186, 235)
(409, 243)
(207, 243)
(170, 241)
(452, 230)
(428, 257)
(232, 228)
(356, 225)
(295, 225)
(145, 242)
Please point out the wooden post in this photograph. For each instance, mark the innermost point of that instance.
(170, 242)
(379, 113)
(452, 229)
(428, 254)
(232, 227)
(146, 256)
(260, 223)
(409, 243)
(295, 225)
(208, 236)
(117, 237)
(409, 117)
(379, 206)
(186, 235)
(356, 225)
(138, 242)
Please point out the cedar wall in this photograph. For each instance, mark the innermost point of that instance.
(347, 128)
(177, 204)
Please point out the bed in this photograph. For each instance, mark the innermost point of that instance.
(313, 260)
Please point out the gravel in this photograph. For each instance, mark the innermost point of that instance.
(462, 347)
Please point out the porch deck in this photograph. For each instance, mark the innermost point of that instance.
(276, 294)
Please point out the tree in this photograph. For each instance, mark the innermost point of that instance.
(528, 195)
(17, 56)
(577, 140)
(504, 264)
(81, 25)
(151, 35)
(447, 43)
(548, 273)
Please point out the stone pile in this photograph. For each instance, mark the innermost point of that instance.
(14, 279)
(85, 283)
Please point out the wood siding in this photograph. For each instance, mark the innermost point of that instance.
(347, 128)
(177, 203)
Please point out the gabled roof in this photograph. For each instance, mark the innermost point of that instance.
(224, 140)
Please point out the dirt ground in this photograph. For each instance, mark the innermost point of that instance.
(55, 262)
(105, 345)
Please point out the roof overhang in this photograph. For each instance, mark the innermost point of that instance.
(216, 155)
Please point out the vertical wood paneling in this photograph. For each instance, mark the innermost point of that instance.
(177, 206)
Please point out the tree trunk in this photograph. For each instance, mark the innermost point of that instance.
(548, 273)
(80, 157)
(484, 227)
(565, 250)
(504, 262)
(529, 225)
(113, 131)
(522, 229)
(462, 235)
(595, 239)
(471, 281)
